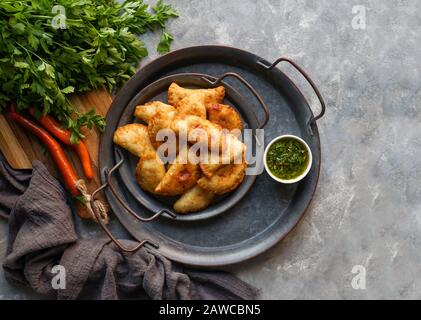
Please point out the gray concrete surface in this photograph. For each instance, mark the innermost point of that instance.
(367, 208)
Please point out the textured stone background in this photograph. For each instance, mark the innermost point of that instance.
(367, 208)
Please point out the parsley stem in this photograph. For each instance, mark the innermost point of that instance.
(51, 17)
(30, 51)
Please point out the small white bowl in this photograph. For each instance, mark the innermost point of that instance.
(300, 177)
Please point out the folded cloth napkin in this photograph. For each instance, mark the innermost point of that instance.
(42, 235)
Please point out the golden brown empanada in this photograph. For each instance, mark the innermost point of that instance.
(161, 120)
(146, 112)
(150, 170)
(176, 93)
(212, 165)
(198, 130)
(209, 169)
(225, 116)
(193, 105)
(180, 177)
(226, 179)
(134, 138)
(193, 200)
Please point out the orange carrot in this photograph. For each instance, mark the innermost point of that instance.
(63, 135)
(69, 176)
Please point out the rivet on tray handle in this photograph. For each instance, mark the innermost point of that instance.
(313, 119)
(249, 86)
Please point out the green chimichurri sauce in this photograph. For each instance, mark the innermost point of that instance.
(287, 158)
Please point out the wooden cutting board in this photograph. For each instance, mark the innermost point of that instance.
(20, 147)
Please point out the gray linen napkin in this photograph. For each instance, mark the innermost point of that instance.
(42, 235)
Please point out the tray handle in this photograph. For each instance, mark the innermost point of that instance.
(252, 90)
(312, 119)
(121, 246)
(108, 174)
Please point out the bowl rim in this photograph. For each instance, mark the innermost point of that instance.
(301, 176)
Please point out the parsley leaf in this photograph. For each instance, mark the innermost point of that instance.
(165, 42)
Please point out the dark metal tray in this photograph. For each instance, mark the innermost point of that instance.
(270, 210)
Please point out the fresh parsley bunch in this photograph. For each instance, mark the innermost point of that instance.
(98, 46)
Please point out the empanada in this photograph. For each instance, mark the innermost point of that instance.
(193, 200)
(209, 169)
(226, 179)
(232, 151)
(161, 120)
(212, 165)
(150, 170)
(198, 130)
(147, 111)
(180, 177)
(225, 116)
(134, 138)
(193, 105)
(176, 93)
